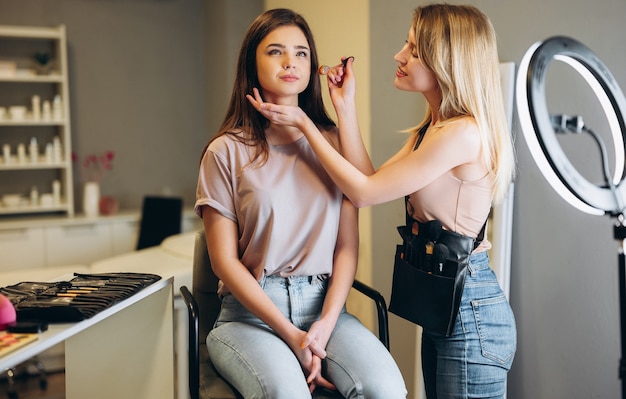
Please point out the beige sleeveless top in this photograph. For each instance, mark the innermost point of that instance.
(461, 206)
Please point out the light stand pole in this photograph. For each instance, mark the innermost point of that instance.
(619, 231)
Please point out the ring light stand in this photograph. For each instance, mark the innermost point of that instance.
(540, 128)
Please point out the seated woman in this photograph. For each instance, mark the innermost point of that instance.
(282, 238)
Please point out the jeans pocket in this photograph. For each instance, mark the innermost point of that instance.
(496, 329)
(321, 282)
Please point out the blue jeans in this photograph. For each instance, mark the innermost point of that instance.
(474, 361)
(259, 364)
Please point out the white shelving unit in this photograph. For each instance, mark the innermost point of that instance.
(19, 83)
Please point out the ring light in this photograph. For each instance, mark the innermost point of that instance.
(540, 134)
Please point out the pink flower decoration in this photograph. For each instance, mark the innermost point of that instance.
(93, 166)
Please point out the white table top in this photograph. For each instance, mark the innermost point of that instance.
(57, 333)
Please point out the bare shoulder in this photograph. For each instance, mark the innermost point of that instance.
(461, 126)
(462, 132)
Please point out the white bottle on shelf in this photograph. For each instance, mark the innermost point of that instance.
(42, 110)
(36, 104)
(21, 153)
(56, 149)
(34, 196)
(46, 111)
(56, 192)
(57, 108)
(33, 150)
(49, 153)
(6, 153)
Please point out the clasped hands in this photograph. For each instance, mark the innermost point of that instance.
(310, 352)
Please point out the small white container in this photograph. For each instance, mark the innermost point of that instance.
(11, 200)
(17, 112)
(46, 200)
(8, 68)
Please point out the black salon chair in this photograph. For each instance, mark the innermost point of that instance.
(203, 307)
(161, 217)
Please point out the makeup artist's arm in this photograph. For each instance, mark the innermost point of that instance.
(342, 87)
(453, 145)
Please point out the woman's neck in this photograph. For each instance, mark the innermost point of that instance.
(281, 135)
(434, 103)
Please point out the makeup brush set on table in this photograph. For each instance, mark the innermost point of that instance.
(76, 299)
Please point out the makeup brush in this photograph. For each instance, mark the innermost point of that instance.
(324, 69)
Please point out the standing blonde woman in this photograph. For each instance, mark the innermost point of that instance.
(462, 166)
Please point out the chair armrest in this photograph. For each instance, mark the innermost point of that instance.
(381, 308)
(194, 332)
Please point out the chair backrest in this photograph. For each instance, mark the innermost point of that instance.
(161, 217)
(204, 286)
(203, 308)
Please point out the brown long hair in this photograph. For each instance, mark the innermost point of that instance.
(242, 120)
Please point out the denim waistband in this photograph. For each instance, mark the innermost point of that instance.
(479, 261)
(291, 280)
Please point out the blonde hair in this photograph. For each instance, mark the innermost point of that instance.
(458, 44)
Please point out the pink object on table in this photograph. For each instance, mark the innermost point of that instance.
(7, 313)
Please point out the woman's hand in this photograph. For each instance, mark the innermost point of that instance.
(318, 380)
(317, 338)
(285, 115)
(341, 83)
(311, 364)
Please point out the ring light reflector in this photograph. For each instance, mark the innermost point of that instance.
(540, 135)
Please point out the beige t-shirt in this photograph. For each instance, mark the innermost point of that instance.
(287, 210)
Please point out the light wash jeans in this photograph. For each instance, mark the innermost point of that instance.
(475, 360)
(258, 363)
